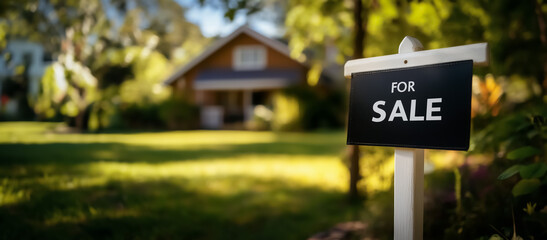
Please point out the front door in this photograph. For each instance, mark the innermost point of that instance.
(232, 101)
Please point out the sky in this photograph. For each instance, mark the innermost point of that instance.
(212, 22)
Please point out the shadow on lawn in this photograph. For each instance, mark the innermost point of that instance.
(76, 153)
(176, 208)
(156, 207)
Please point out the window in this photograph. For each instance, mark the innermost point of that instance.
(250, 58)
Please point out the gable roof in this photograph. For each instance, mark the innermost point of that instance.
(274, 44)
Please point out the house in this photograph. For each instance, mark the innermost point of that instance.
(236, 74)
(26, 55)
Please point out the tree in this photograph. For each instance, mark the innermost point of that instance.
(101, 42)
(315, 25)
(359, 42)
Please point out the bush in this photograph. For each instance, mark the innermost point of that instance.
(170, 114)
(314, 108)
(179, 114)
(141, 116)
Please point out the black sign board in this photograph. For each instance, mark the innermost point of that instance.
(418, 107)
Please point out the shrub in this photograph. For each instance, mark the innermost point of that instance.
(179, 114)
(307, 108)
(141, 116)
(171, 114)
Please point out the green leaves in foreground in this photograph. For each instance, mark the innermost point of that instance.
(534, 170)
(530, 173)
(509, 172)
(526, 186)
(523, 152)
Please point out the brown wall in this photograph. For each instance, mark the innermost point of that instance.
(223, 59)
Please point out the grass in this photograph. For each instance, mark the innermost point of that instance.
(170, 185)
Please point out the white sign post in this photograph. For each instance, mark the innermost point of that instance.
(409, 178)
(409, 163)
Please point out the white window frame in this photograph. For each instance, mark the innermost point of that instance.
(258, 64)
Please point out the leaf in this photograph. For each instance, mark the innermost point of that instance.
(532, 134)
(526, 186)
(495, 237)
(523, 152)
(535, 170)
(230, 14)
(509, 172)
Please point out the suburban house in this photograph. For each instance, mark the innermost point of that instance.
(236, 74)
(33, 60)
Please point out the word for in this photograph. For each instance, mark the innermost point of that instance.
(403, 86)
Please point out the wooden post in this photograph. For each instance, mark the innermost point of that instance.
(409, 192)
(247, 105)
(409, 178)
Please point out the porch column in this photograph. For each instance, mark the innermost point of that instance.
(247, 105)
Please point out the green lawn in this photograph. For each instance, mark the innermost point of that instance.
(169, 185)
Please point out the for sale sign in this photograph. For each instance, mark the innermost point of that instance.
(426, 106)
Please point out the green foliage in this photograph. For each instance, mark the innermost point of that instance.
(173, 113)
(286, 113)
(510, 108)
(309, 108)
(523, 152)
(520, 127)
(68, 87)
(179, 114)
(510, 27)
(517, 138)
(526, 186)
(149, 69)
(104, 61)
(141, 116)
(530, 131)
(510, 172)
(314, 25)
(496, 237)
(534, 170)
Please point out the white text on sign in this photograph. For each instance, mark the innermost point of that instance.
(402, 86)
(398, 110)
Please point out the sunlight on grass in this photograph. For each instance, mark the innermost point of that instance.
(79, 215)
(67, 182)
(182, 183)
(9, 195)
(24, 127)
(299, 159)
(322, 172)
(29, 132)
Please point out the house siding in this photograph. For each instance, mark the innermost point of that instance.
(223, 58)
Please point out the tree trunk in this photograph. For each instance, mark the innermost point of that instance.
(359, 40)
(359, 31)
(543, 37)
(79, 120)
(354, 171)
